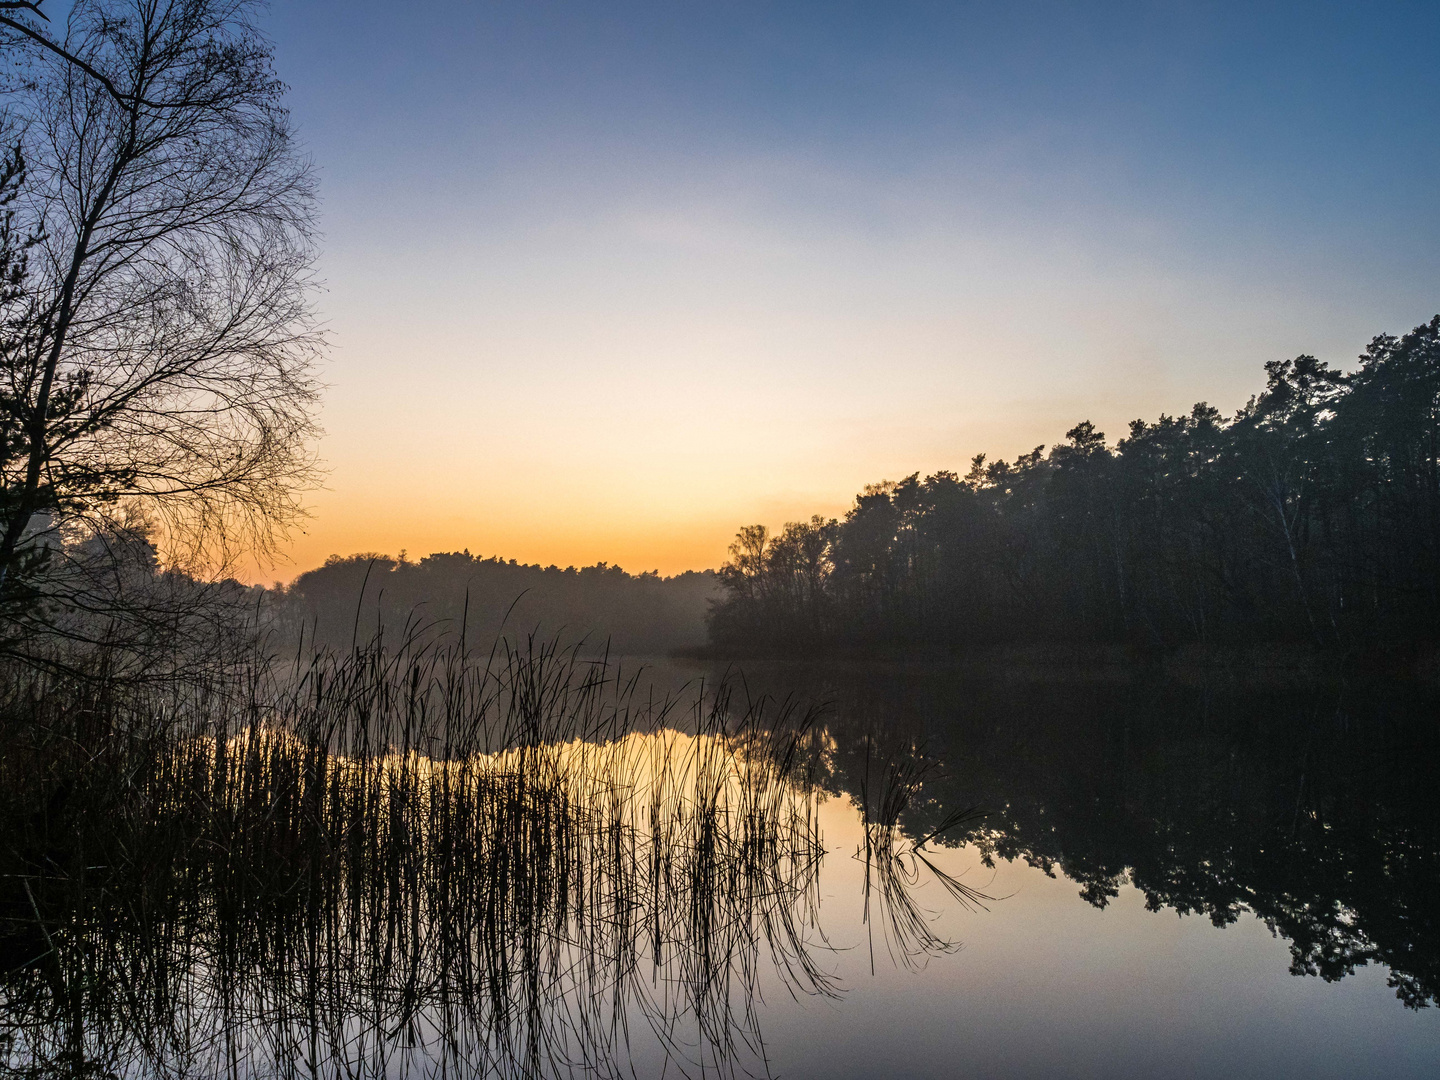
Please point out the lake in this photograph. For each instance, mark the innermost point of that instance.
(1196, 881)
(828, 872)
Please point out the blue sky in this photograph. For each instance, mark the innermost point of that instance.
(606, 281)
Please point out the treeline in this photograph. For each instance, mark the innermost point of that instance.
(351, 599)
(1312, 515)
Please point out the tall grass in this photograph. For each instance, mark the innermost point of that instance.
(399, 862)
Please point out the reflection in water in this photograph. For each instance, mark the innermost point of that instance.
(262, 903)
(419, 870)
(514, 915)
(1314, 809)
(895, 862)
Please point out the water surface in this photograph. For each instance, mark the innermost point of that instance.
(932, 876)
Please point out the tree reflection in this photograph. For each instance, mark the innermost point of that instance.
(1314, 809)
(420, 867)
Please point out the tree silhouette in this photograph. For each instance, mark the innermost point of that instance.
(156, 362)
(1310, 516)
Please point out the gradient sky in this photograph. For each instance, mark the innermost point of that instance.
(609, 280)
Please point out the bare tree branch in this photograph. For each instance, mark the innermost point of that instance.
(158, 354)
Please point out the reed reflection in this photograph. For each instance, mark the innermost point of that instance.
(414, 866)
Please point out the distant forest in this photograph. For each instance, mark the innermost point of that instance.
(350, 599)
(1310, 516)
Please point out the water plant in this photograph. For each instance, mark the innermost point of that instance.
(404, 861)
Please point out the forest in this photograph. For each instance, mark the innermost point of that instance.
(455, 592)
(1311, 516)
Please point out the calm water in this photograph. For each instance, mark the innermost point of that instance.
(939, 877)
(1195, 883)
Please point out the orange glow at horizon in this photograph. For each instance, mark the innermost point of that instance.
(669, 554)
(666, 544)
(602, 294)
(630, 473)
(617, 391)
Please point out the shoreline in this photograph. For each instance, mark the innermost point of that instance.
(1268, 664)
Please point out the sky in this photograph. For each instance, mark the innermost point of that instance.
(607, 281)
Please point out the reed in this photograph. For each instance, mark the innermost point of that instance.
(400, 862)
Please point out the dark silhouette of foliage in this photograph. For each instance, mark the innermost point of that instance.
(156, 226)
(1310, 516)
(353, 598)
(1311, 808)
(408, 862)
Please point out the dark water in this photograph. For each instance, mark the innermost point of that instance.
(941, 877)
(1197, 882)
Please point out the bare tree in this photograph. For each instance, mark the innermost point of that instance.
(158, 360)
(27, 23)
